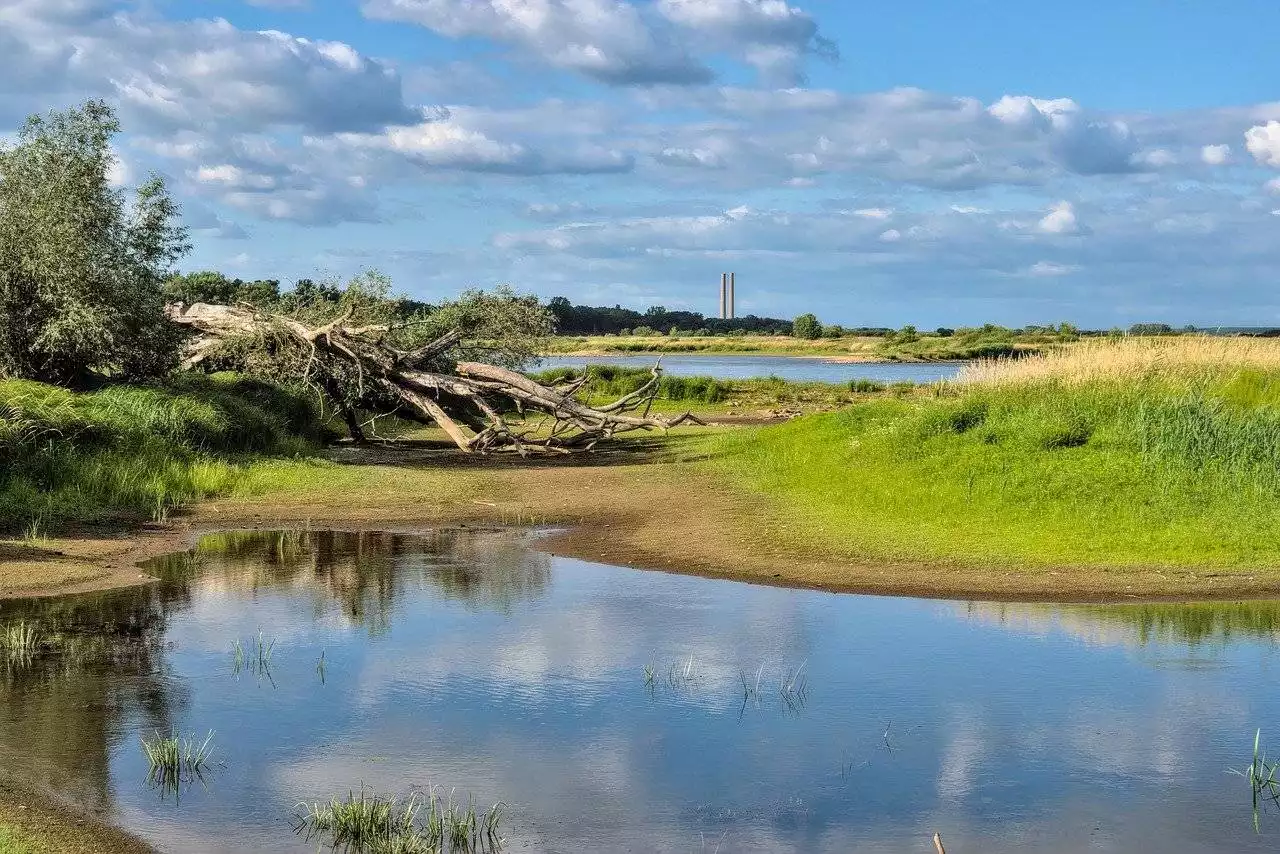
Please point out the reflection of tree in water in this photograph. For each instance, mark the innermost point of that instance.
(364, 573)
(1141, 624)
(97, 679)
(99, 676)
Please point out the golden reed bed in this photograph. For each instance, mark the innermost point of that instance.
(1130, 359)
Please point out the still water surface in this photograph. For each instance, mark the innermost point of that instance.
(464, 659)
(794, 368)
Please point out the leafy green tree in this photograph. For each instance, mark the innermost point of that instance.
(907, 335)
(80, 267)
(205, 286)
(806, 326)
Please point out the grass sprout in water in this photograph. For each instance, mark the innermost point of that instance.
(419, 824)
(1264, 780)
(256, 660)
(19, 642)
(794, 690)
(174, 762)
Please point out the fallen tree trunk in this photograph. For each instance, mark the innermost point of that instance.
(470, 406)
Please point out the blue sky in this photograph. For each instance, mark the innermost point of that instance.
(923, 161)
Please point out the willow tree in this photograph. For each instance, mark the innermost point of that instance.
(81, 265)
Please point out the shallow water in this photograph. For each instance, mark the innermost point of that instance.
(463, 659)
(794, 368)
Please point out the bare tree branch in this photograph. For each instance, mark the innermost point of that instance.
(470, 396)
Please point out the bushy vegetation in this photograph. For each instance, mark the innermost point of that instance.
(1164, 458)
(138, 449)
(984, 342)
(806, 326)
(80, 267)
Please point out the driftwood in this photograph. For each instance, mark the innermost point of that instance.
(471, 406)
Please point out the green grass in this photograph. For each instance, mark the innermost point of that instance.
(1169, 470)
(137, 451)
(15, 841)
(610, 382)
(607, 383)
(174, 761)
(375, 824)
(988, 342)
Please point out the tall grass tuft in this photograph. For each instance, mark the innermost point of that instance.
(175, 761)
(20, 642)
(419, 824)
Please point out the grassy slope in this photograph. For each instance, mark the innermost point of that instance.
(1151, 461)
(136, 451)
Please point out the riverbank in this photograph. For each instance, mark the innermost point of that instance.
(33, 823)
(1110, 472)
(657, 505)
(990, 342)
(861, 349)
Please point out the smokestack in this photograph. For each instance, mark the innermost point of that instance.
(724, 295)
(731, 295)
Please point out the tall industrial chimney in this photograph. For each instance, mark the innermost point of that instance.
(724, 295)
(731, 285)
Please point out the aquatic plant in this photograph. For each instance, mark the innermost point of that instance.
(1264, 780)
(19, 642)
(320, 667)
(419, 824)
(257, 660)
(751, 687)
(680, 673)
(175, 761)
(794, 689)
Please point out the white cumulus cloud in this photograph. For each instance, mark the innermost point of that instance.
(1263, 142)
(1061, 219)
(1215, 155)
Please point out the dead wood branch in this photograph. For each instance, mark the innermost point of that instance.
(478, 395)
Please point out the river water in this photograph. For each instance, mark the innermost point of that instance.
(794, 368)
(467, 660)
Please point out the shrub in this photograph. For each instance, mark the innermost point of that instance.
(866, 386)
(806, 326)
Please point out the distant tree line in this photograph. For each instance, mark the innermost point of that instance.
(604, 320)
(213, 287)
